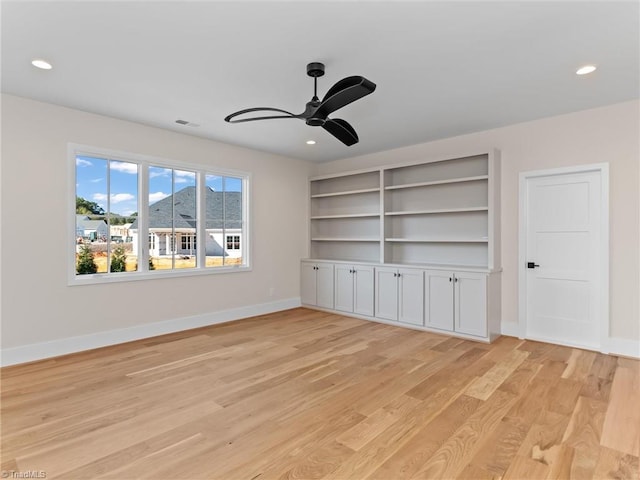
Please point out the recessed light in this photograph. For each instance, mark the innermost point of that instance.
(586, 69)
(43, 64)
(311, 142)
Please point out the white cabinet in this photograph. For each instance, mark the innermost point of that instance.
(317, 284)
(456, 302)
(438, 295)
(399, 295)
(354, 289)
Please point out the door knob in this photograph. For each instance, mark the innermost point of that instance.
(532, 265)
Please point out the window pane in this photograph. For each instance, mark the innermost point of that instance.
(123, 208)
(233, 221)
(214, 221)
(160, 217)
(91, 221)
(184, 219)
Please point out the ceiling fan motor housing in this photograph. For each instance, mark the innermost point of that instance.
(315, 69)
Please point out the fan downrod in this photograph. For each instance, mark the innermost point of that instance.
(315, 69)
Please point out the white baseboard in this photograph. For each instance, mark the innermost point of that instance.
(624, 347)
(616, 346)
(510, 329)
(39, 351)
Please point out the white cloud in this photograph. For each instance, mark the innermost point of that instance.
(156, 196)
(115, 197)
(121, 197)
(96, 180)
(184, 177)
(124, 167)
(81, 162)
(159, 172)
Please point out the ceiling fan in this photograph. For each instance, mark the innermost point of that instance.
(317, 112)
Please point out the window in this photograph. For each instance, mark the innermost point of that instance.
(193, 217)
(233, 242)
(188, 242)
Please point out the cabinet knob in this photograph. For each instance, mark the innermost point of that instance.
(450, 279)
(455, 279)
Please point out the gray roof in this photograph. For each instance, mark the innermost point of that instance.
(89, 224)
(223, 208)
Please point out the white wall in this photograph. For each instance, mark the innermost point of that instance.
(37, 304)
(609, 134)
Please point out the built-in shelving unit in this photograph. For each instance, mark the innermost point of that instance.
(414, 244)
(434, 212)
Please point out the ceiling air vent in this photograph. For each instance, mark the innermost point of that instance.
(187, 123)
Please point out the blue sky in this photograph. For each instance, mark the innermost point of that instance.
(91, 183)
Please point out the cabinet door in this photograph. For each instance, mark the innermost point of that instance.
(386, 293)
(471, 303)
(344, 287)
(410, 296)
(363, 290)
(308, 283)
(324, 285)
(438, 300)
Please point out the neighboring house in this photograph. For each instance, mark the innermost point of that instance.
(223, 225)
(121, 232)
(91, 229)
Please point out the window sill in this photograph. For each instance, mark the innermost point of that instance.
(102, 278)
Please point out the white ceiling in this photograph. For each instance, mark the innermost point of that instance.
(441, 68)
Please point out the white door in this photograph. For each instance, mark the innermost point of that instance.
(344, 287)
(438, 299)
(470, 295)
(411, 296)
(324, 285)
(387, 293)
(308, 283)
(363, 290)
(564, 258)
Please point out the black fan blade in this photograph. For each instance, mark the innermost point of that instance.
(341, 130)
(344, 92)
(229, 118)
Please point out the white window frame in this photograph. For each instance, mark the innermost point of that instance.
(144, 162)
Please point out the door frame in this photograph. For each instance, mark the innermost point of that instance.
(603, 314)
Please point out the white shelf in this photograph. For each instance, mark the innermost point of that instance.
(440, 210)
(438, 240)
(352, 215)
(438, 182)
(346, 192)
(337, 239)
(443, 210)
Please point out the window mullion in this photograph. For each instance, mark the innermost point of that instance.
(143, 220)
(201, 221)
(108, 216)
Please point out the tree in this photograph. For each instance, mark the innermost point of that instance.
(118, 259)
(86, 263)
(86, 207)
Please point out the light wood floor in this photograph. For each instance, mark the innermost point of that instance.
(310, 395)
